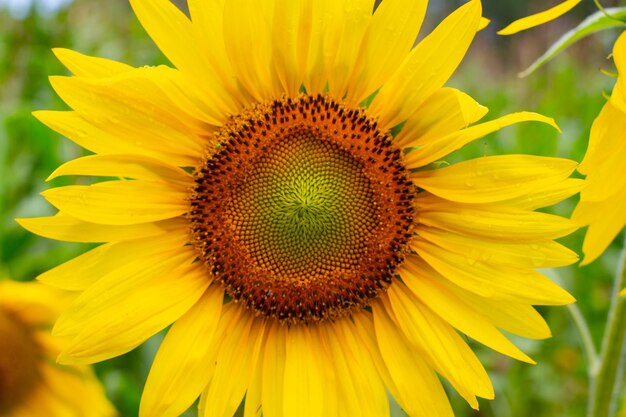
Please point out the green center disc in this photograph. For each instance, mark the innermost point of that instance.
(304, 207)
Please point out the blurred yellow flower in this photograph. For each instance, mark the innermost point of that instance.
(31, 383)
(540, 18)
(279, 205)
(603, 198)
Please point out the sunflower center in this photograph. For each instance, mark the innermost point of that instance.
(306, 206)
(18, 363)
(304, 209)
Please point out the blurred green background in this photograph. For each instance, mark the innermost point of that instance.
(570, 89)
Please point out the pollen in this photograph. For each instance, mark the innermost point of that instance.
(303, 210)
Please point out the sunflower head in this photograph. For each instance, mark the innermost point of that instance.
(278, 206)
(30, 382)
(303, 210)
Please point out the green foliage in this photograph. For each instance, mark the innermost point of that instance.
(601, 20)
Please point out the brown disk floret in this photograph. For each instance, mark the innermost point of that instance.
(304, 209)
(19, 359)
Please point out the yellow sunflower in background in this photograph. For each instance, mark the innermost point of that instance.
(31, 383)
(602, 199)
(278, 204)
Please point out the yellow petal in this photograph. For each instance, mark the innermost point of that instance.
(79, 273)
(89, 66)
(514, 317)
(127, 166)
(290, 42)
(134, 108)
(77, 388)
(359, 343)
(517, 318)
(326, 24)
(53, 346)
(622, 293)
(364, 340)
(183, 364)
(605, 219)
(253, 400)
(444, 112)
(124, 282)
(618, 97)
(487, 280)
(273, 378)
(548, 195)
(42, 401)
(494, 178)
(604, 160)
(389, 37)
(602, 198)
(182, 43)
(247, 35)
(332, 401)
(441, 345)
(120, 282)
(436, 148)
(120, 312)
(199, 109)
(160, 94)
(240, 346)
(420, 391)
(120, 202)
(427, 67)
(305, 393)
(425, 283)
(362, 391)
(171, 31)
(492, 221)
(34, 304)
(207, 18)
(65, 227)
(351, 402)
(539, 18)
(101, 140)
(342, 41)
(484, 22)
(541, 254)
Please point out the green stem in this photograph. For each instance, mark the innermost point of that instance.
(599, 6)
(585, 336)
(603, 10)
(607, 376)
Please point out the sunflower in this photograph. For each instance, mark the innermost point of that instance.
(278, 202)
(31, 384)
(601, 204)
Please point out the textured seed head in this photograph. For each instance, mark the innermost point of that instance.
(303, 210)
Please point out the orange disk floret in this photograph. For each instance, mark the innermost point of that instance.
(304, 209)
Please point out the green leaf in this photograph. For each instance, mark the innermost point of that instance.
(594, 23)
